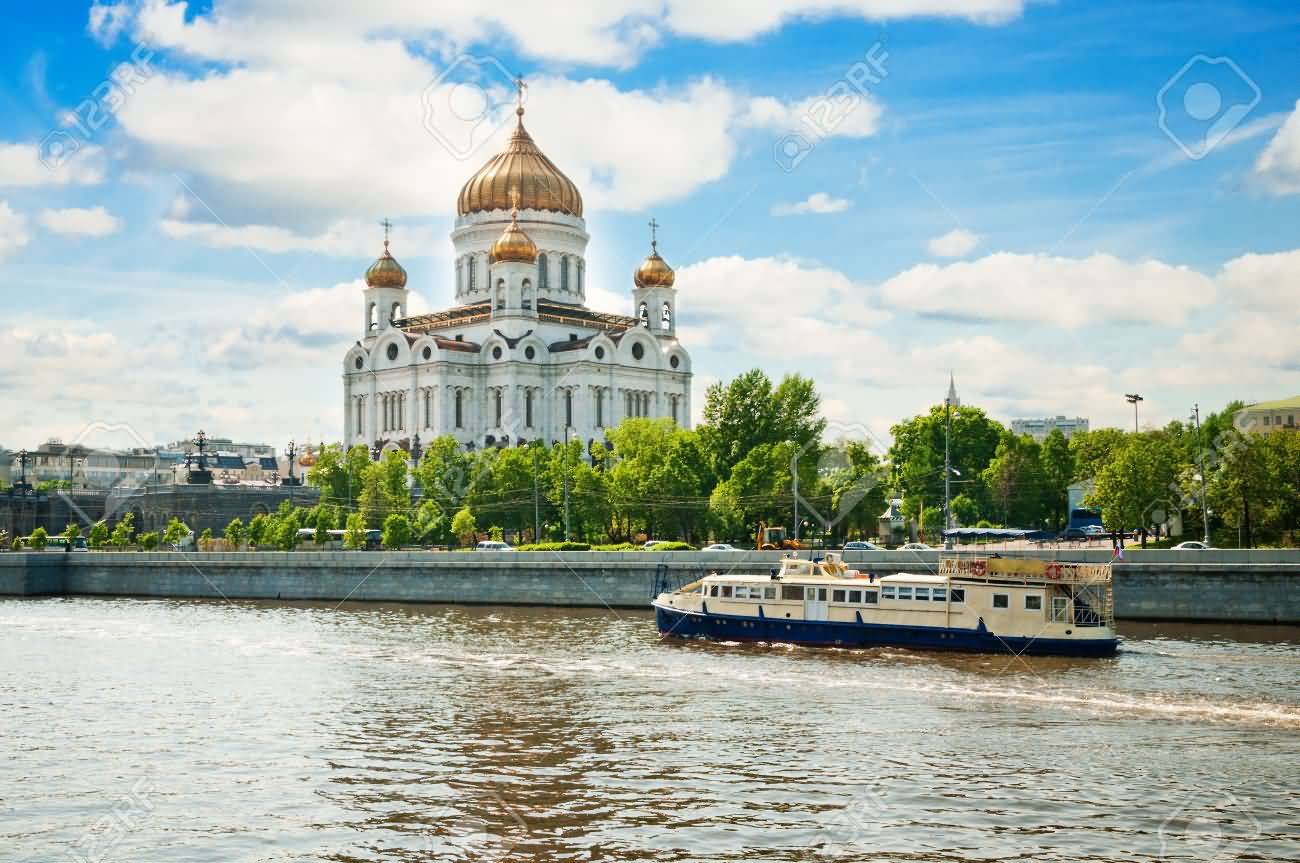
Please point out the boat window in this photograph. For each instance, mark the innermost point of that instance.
(1060, 608)
(769, 593)
(937, 593)
(742, 592)
(923, 593)
(888, 591)
(869, 597)
(1033, 602)
(816, 594)
(904, 592)
(958, 595)
(791, 591)
(726, 590)
(713, 590)
(855, 596)
(837, 596)
(1001, 600)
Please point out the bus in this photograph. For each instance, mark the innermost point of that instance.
(307, 536)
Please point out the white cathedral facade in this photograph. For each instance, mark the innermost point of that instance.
(520, 357)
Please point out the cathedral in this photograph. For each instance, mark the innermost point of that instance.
(519, 357)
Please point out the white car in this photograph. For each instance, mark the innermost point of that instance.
(1191, 545)
(491, 545)
(914, 546)
(1094, 529)
(861, 545)
(719, 546)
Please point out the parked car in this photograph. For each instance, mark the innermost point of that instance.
(914, 546)
(1191, 545)
(1094, 530)
(651, 543)
(861, 545)
(719, 546)
(493, 545)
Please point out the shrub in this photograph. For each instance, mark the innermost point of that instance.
(148, 541)
(556, 546)
(123, 531)
(354, 534)
(464, 526)
(397, 531)
(16, 545)
(616, 546)
(98, 535)
(71, 532)
(39, 539)
(235, 532)
(496, 534)
(670, 546)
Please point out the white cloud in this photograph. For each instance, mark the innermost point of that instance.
(957, 243)
(737, 20)
(77, 221)
(1278, 166)
(13, 231)
(1064, 292)
(21, 165)
(817, 202)
(107, 21)
(342, 238)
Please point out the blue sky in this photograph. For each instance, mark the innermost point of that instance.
(1005, 201)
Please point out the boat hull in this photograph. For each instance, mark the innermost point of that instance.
(820, 633)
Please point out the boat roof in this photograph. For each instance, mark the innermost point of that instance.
(908, 578)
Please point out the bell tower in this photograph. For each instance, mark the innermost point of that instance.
(386, 294)
(654, 300)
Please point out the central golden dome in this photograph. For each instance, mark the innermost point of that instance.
(522, 166)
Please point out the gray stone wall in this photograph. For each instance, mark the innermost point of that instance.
(1244, 587)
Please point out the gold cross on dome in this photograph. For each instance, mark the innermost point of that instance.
(654, 234)
(388, 227)
(520, 86)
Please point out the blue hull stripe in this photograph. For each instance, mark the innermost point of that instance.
(726, 627)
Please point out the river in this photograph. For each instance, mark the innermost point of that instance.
(170, 731)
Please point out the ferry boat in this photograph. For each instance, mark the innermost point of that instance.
(992, 605)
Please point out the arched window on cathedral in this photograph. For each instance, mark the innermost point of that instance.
(666, 316)
(600, 408)
(473, 272)
(460, 414)
(496, 394)
(526, 298)
(528, 408)
(543, 277)
(672, 404)
(581, 268)
(460, 275)
(501, 294)
(643, 314)
(397, 312)
(568, 407)
(371, 324)
(564, 273)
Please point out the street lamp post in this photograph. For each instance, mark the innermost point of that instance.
(566, 482)
(1133, 399)
(1200, 457)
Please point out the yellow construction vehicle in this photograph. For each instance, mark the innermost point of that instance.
(774, 538)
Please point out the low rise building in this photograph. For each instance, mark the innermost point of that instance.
(1264, 417)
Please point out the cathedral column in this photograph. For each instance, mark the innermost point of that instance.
(371, 431)
(413, 396)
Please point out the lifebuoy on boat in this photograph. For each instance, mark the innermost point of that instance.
(1053, 571)
(978, 567)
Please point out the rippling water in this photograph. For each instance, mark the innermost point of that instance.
(204, 731)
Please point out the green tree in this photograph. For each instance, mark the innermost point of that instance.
(286, 531)
(384, 488)
(1058, 472)
(354, 535)
(916, 454)
(748, 412)
(1016, 482)
(39, 539)
(98, 536)
(1134, 485)
(235, 533)
(324, 521)
(397, 531)
(148, 541)
(1092, 450)
(446, 473)
(338, 474)
(123, 531)
(428, 521)
(496, 534)
(965, 511)
(259, 529)
(205, 539)
(71, 532)
(464, 526)
(175, 531)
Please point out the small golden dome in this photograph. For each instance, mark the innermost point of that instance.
(308, 459)
(522, 166)
(654, 271)
(385, 272)
(514, 245)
